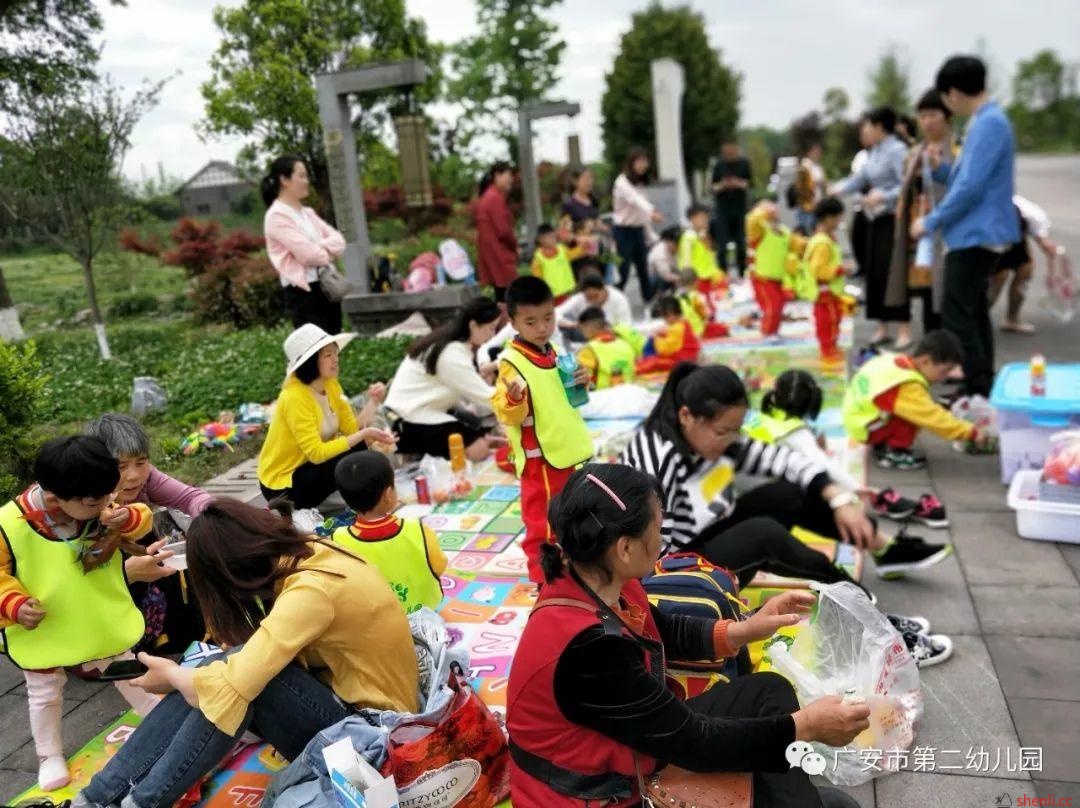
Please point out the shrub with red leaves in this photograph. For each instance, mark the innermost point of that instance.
(233, 282)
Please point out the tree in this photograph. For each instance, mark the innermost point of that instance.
(43, 44)
(710, 103)
(836, 104)
(513, 59)
(1045, 108)
(889, 82)
(63, 152)
(263, 74)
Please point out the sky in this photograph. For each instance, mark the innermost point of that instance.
(788, 51)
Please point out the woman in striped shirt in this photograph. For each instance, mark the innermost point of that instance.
(692, 444)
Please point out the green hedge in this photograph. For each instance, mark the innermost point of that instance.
(203, 369)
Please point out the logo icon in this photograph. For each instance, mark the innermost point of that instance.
(1005, 800)
(802, 754)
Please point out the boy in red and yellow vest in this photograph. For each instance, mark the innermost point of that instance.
(548, 437)
(888, 401)
(406, 551)
(64, 597)
(776, 250)
(825, 281)
(608, 354)
(676, 342)
(697, 308)
(551, 263)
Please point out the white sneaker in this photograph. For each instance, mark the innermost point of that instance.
(53, 773)
(929, 650)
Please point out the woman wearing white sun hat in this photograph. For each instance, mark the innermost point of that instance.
(313, 425)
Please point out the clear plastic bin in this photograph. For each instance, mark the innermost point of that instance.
(1044, 521)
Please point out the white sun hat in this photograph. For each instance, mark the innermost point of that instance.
(308, 340)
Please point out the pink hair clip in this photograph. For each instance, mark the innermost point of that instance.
(604, 487)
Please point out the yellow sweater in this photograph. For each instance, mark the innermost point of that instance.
(336, 616)
(294, 437)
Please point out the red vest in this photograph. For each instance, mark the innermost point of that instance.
(534, 720)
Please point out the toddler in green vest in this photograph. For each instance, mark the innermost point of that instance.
(547, 436)
(405, 551)
(696, 251)
(609, 355)
(888, 401)
(64, 599)
(551, 263)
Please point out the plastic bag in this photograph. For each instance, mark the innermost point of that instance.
(850, 645)
(146, 395)
(443, 484)
(977, 410)
(1061, 296)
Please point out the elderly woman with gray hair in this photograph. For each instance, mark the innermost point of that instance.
(140, 481)
(172, 617)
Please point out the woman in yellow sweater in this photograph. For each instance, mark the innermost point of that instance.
(315, 633)
(313, 425)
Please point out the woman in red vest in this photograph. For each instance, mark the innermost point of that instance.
(587, 703)
(496, 242)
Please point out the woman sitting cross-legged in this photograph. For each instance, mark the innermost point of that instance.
(587, 704)
(313, 425)
(300, 619)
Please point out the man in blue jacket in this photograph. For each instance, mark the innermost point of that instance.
(976, 217)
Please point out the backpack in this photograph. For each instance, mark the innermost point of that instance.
(688, 584)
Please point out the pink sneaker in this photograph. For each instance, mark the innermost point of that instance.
(53, 773)
(930, 512)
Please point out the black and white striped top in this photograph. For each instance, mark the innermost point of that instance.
(650, 452)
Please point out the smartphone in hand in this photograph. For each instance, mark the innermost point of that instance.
(122, 669)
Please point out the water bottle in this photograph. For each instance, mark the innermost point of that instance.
(576, 394)
(1038, 375)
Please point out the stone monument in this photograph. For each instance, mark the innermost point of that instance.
(668, 84)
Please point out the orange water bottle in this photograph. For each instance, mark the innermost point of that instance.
(457, 453)
(1038, 375)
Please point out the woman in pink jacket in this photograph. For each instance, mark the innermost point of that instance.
(298, 242)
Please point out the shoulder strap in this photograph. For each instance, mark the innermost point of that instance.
(611, 624)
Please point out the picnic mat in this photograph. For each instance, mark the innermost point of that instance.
(487, 596)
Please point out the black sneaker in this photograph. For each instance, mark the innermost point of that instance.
(891, 505)
(928, 650)
(909, 624)
(931, 512)
(909, 554)
(901, 459)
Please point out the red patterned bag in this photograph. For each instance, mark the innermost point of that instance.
(460, 761)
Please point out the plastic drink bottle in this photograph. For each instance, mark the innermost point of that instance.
(456, 445)
(576, 394)
(1038, 375)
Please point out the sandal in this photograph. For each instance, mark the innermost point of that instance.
(1018, 328)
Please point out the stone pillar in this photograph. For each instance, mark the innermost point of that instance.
(668, 84)
(530, 185)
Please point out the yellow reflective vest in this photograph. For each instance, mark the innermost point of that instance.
(877, 376)
(403, 561)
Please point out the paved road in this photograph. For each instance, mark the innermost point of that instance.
(1012, 607)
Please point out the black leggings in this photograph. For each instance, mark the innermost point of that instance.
(311, 482)
(758, 696)
(757, 536)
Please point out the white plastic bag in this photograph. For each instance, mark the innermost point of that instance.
(850, 645)
(443, 484)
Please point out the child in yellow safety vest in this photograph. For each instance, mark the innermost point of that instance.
(823, 283)
(406, 551)
(547, 435)
(64, 599)
(775, 262)
(888, 401)
(608, 354)
(551, 263)
(696, 307)
(696, 252)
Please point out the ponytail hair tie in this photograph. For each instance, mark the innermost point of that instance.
(607, 490)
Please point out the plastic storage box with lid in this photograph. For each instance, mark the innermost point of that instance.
(1026, 422)
(1039, 519)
